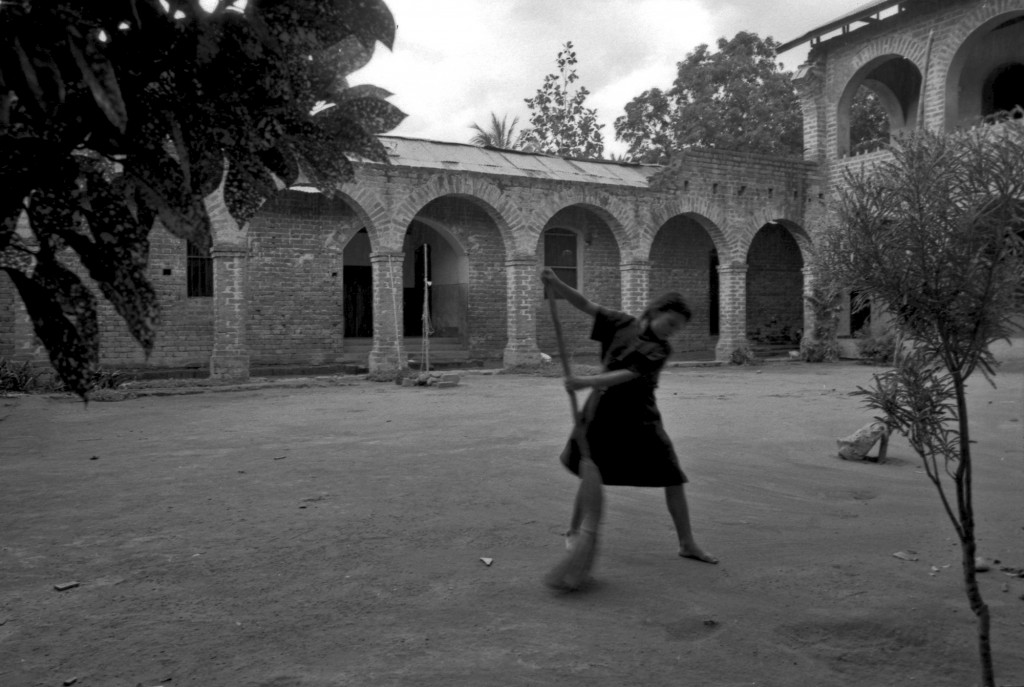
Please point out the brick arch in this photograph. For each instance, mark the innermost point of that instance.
(711, 218)
(615, 213)
(369, 209)
(900, 45)
(488, 197)
(795, 229)
(901, 113)
(959, 39)
(775, 283)
(803, 240)
(978, 17)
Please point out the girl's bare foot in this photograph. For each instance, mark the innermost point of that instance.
(696, 553)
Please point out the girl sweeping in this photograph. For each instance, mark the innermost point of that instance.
(620, 420)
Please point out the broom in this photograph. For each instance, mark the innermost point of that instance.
(573, 572)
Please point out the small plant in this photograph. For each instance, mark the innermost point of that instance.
(824, 297)
(818, 352)
(877, 350)
(17, 377)
(102, 379)
(744, 356)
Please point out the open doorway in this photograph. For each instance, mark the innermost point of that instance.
(357, 282)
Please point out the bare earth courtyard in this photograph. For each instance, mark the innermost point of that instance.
(323, 534)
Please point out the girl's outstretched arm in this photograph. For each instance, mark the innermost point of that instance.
(571, 295)
(600, 381)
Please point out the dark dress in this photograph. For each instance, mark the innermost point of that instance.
(624, 432)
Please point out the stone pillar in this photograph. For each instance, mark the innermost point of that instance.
(230, 358)
(636, 286)
(388, 352)
(732, 287)
(810, 320)
(523, 284)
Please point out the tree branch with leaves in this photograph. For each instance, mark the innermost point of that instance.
(560, 122)
(116, 114)
(736, 98)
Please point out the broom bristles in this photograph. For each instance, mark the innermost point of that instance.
(573, 572)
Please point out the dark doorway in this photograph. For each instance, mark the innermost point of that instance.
(1003, 89)
(860, 317)
(412, 306)
(358, 285)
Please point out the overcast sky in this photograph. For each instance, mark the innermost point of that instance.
(456, 61)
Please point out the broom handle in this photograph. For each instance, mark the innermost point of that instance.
(562, 354)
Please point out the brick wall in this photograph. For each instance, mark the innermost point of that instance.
(8, 294)
(600, 281)
(295, 275)
(184, 333)
(679, 262)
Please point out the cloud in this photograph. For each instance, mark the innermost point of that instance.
(456, 61)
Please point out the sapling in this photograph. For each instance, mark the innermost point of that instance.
(935, 237)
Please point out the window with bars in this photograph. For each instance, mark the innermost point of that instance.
(561, 254)
(199, 272)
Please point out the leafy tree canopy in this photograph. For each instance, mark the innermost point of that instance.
(560, 123)
(869, 122)
(116, 113)
(736, 98)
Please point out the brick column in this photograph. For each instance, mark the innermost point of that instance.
(230, 358)
(388, 352)
(809, 319)
(810, 83)
(636, 286)
(732, 286)
(523, 286)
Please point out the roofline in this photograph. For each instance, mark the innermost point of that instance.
(519, 152)
(865, 13)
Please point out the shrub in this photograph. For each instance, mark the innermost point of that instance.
(877, 350)
(744, 356)
(17, 377)
(819, 351)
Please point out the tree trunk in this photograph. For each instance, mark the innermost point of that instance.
(979, 607)
(968, 543)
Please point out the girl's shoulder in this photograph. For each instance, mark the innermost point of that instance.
(613, 318)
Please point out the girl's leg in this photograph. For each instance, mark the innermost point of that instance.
(574, 523)
(577, 516)
(675, 497)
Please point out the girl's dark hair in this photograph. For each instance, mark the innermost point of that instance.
(671, 301)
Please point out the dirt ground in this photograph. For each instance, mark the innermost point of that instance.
(330, 532)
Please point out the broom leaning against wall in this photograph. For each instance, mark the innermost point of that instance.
(619, 438)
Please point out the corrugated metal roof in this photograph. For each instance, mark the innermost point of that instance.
(412, 152)
(861, 13)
